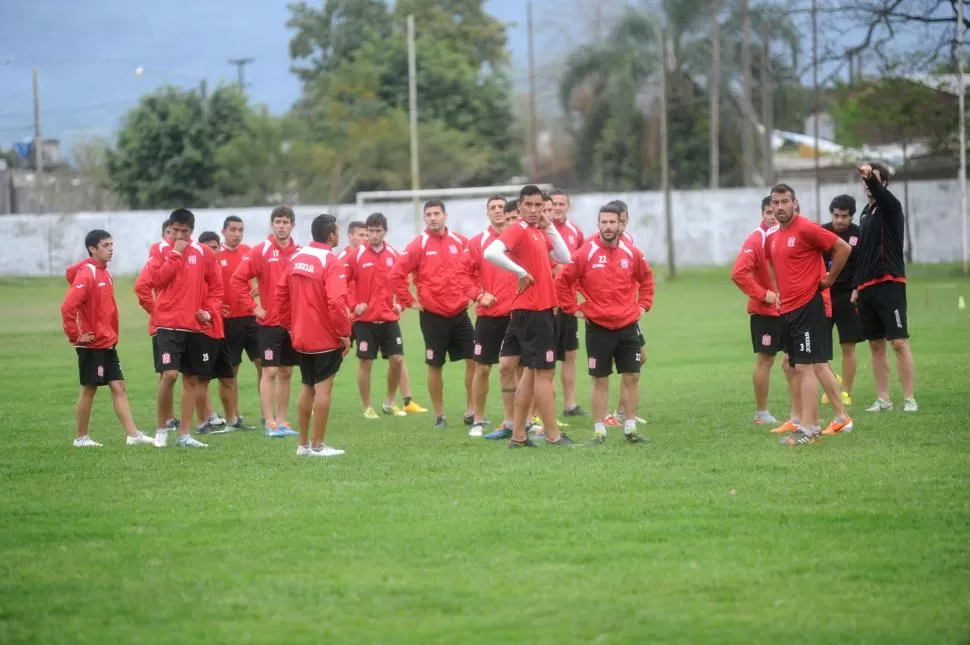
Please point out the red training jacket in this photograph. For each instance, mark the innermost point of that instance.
(367, 272)
(572, 236)
(616, 280)
(229, 260)
(143, 284)
(484, 277)
(267, 261)
(751, 272)
(311, 299)
(184, 284)
(89, 306)
(435, 261)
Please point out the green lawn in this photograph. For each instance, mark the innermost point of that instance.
(712, 533)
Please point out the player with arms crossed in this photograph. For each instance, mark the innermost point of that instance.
(880, 280)
(311, 299)
(618, 286)
(524, 249)
(89, 315)
(795, 252)
(266, 262)
(434, 259)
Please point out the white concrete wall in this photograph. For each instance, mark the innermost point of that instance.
(709, 226)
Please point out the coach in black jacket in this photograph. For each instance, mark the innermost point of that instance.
(880, 286)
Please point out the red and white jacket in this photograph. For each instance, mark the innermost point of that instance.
(751, 273)
(572, 236)
(484, 277)
(367, 272)
(267, 261)
(184, 284)
(89, 305)
(435, 261)
(229, 261)
(143, 284)
(616, 281)
(311, 299)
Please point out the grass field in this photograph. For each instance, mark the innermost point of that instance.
(712, 533)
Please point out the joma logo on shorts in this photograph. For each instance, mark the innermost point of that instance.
(303, 266)
(899, 319)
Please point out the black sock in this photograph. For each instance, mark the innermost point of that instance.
(407, 401)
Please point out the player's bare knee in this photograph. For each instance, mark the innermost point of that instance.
(286, 374)
(117, 387)
(88, 391)
(630, 379)
(767, 360)
(169, 377)
(397, 360)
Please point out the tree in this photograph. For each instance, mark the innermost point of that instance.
(165, 152)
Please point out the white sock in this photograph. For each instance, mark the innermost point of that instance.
(762, 413)
(629, 426)
(599, 428)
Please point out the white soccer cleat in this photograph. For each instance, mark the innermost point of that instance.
(909, 405)
(880, 405)
(187, 441)
(86, 442)
(303, 451)
(325, 451)
(161, 437)
(140, 439)
(477, 430)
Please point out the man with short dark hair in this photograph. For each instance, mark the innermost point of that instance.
(796, 255)
(188, 287)
(568, 327)
(311, 298)
(434, 260)
(89, 315)
(524, 249)
(617, 284)
(880, 280)
(845, 315)
(266, 263)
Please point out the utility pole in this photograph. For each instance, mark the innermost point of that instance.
(714, 92)
(204, 98)
(240, 64)
(747, 140)
(767, 107)
(961, 83)
(665, 52)
(38, 143)
(533, 129)
(816, 112)
(413, 107)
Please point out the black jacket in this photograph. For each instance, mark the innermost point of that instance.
(880, 251)
(846, 280)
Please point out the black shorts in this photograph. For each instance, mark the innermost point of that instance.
(567, 335)
(643, 341)
(222, 366)
(766, 334)
(452, 336)
(882, 311)
(98, 367)
(187, 352)
(532, 337)
(845, 316)
(242, 334)
(373, 336)
(317, 368)
(155, 354)
(807, 333)
(604, 347)
(276, 348)
(489, 334)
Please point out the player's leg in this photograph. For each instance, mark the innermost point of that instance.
(271, 351)
(827, 378)
(317, 373)
(766, 343)
(122, 408)
(539, 358)
(808, 328)
(599, 400)
(522, 408)
(880, 369)
(322, 395)
(170, 347)
(364, 368)
(907, 370)
(436, 332)
(627, 355)
(395, 365)
(600, 343)
(284, 385)
(480, 386)
(762, 382)
(892, 296)
(849, 369)
(304, 412)
(469, 392)
(367, 347)
(568, 347)
(82, 416)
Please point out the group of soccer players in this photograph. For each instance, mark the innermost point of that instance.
(523, 274)
(803, 280)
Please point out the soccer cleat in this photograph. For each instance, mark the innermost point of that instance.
(800, 438)
(598, 437)
(880, 405)
(838, 427)
(612, 422)
(575, 411)
(161, 437)
(325, 451)
(139, 439)
(563, 440)
(302, 451)
(441, 422)
(187, 441)
(527, 443)
(498, 434)
(86, 442)
(764, 419)
(287, 430)
(414, 408)
(393, 410)
(240, 424)
(478, 429)
(909, 405)
(173, 424)
(635, 437)
(469, 419)
(369, 413)
(274, 432)
(846, 398)
(787, 426)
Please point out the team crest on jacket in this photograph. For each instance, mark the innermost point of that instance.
(572, 239)
(389, 261)
(624, 263)
(193, 259)
(791, 242)
(224, 262)
(453, 249)
(853, 240)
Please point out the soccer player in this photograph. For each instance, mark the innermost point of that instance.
(880, 280)
(511, 211)
(524, 248)
(795, 252)
(375, 314)
(188, 288)
(845, 316)
(568, 328)
(266, 262)
(89, 315)
(434, 260)
(356, 237)
(753, 278)
(617, 284)
(311, 300)
(493, 290)
(242, 333)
